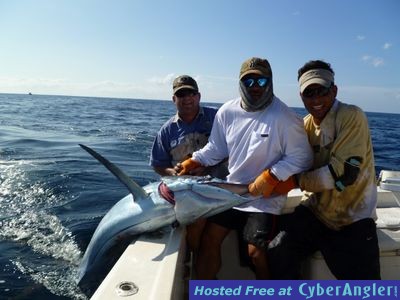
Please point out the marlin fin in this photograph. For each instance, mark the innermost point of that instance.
(136, 190)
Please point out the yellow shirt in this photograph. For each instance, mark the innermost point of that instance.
(342, 134)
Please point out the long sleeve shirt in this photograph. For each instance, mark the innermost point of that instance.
(343, 133)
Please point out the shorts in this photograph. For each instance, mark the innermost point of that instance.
(351, 253)
(256, 228)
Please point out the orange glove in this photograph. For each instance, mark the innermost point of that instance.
(188, 165)
(264, 184)
(283, 187)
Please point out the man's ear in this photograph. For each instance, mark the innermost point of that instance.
(334, 90)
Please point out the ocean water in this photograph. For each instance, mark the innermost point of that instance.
(53, 194)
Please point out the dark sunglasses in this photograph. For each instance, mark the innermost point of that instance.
(185, 93)
(250, 82)
(316, 92)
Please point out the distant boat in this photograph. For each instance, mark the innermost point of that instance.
(30, 93)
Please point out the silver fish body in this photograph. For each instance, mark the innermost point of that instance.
(146, 210)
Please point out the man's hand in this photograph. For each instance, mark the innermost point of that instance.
(188, 167)
(165, 171)
(283, 187)
(264, 184)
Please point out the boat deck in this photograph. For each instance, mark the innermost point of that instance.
(156, 266)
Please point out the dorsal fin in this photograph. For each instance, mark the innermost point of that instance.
(136, 190)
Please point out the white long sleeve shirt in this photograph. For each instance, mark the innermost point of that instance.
(273, 138)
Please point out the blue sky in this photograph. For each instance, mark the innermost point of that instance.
(134, 49)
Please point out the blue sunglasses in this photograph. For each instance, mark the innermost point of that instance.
(250, 82)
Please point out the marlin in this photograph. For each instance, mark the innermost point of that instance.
(174, 200)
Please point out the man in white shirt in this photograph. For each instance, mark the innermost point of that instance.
(266, 144)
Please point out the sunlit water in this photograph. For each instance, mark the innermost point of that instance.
(53, 194)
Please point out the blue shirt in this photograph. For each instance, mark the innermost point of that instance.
(177, 140)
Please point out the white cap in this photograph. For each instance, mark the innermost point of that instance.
(316, 76)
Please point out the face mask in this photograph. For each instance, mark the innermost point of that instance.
(249, 104)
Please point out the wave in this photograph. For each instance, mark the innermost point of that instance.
(26, 220)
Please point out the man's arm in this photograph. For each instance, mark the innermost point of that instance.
(297, 154)
(160, 158)
(216, 150)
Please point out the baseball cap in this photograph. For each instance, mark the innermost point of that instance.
(255, 65)
(184, 82)
(316, 76)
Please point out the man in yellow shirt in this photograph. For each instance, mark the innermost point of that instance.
(338, 211)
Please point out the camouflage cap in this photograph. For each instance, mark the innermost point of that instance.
(255, 65)
(184, 82)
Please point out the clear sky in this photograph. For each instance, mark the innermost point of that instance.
(134, 49)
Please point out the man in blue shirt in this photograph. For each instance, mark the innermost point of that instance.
(185, 132)
(180, 136)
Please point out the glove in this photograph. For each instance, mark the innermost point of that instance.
(283, 187)
(188, 165)
(264, 184)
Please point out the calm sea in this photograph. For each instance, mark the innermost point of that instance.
(53, 194)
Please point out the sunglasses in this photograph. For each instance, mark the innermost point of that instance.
(185, 93)
(316, 92)
(250, 82)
